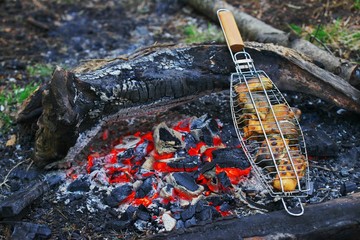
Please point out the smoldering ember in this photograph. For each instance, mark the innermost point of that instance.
(144, 147)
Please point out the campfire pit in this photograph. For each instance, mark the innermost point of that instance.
(197, 189)
(118, 171)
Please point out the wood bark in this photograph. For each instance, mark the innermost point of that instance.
(76, 105)
(335, 219)
(255, 30)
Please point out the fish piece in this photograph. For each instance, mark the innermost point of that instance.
(287, 172)
(254, 85)
(261, 104)
(253, 128)
(277, 147)
(282, 112)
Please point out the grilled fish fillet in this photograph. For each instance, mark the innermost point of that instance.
(253, 128)
(287, 175)
(254, 84)
(262, 105)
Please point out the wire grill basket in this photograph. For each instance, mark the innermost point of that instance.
(267, 127)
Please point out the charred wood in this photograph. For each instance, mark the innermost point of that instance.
(14, 204)
(335, 219)
(76, 105)
(27, 231)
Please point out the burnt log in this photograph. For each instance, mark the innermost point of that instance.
(255, 30)
(17, 202)
(76, 104)
(335, 219)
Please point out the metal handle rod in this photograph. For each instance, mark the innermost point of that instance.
(292, 213)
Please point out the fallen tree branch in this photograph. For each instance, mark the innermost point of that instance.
(255, 30)
(75, 106)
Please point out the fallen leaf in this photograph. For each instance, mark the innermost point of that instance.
(11, 141)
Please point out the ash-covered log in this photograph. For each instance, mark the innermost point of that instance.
(76, 104)
(335, 219)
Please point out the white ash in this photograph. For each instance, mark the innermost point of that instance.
(94, 203)
(168, 221)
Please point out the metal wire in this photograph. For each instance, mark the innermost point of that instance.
(267, 169)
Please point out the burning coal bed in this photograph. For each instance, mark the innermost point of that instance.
(168, 178)
(179, 174)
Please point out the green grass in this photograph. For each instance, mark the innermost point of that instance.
(356, 5)
(336, 35)
(40, 70)
(12, 98)
(194, 35)
(297, 29)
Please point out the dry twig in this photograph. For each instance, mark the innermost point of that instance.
(4, 182)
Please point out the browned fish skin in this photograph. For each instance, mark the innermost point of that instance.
(287, 172)
(278, 163)
(254, 85)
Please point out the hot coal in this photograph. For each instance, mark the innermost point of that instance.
(320, 143)
(166, 136)
(224, 180)
(81, 185)
(30, 231)
(229, 136)
(208, 167)
(123, 156)
(144, 188)
(205, 214)
(190, 222)
(189, 162)
(143, 213)
(205, 122)
(118, 195)
(141, 150)
(185, 180)
(204, 128)
(166, 139)
(230, 157)
(141, 225)
(188, 213)
(190, 141)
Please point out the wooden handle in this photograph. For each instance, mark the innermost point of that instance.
(231, 31)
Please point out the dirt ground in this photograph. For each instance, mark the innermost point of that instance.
(66, 32)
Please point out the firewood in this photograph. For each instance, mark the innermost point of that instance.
(76, 105)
